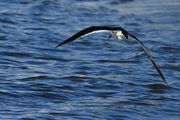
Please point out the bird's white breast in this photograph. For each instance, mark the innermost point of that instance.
(118, 34)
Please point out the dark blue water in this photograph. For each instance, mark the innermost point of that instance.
(90, 78)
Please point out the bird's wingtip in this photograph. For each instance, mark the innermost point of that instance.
(166, 82)
(57, 45)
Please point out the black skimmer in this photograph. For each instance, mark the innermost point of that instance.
(118, 33)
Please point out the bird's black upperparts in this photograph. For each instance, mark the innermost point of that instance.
(94, 29)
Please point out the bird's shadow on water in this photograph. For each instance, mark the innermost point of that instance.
(157, 88)
(120, 2)
(152, 95)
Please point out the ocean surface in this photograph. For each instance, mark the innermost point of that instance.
(91, 78)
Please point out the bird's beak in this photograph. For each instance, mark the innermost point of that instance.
(110, 35)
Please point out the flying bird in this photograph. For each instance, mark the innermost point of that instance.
(117, 32)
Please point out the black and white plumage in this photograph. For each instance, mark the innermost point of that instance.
(118, 33)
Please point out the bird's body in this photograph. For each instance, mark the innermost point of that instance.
(118, 33)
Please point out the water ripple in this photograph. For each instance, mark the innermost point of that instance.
(90, 78)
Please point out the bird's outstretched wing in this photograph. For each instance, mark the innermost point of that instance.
(93, 29)
(150, 57)
(90, 30)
